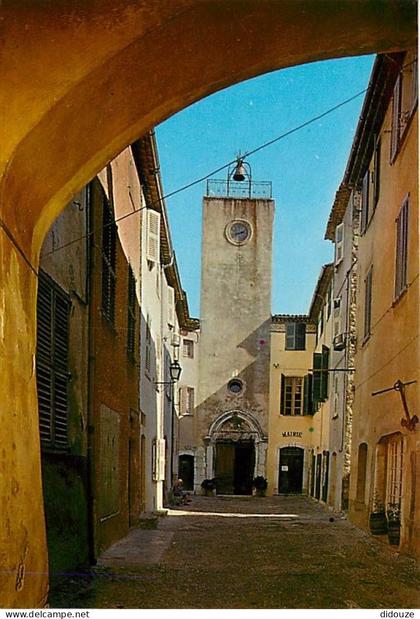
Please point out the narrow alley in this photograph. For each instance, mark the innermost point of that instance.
(248, 552)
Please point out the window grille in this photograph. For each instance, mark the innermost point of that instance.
(401, 257)
(109, 258)
(53, 311)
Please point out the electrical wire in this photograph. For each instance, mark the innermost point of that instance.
(224, 166)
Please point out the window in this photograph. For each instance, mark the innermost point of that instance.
(368, 304)
(396, 116)
(131, 313)
(186, 400)
(376, 171)
(320, 376)
(153, 236)
(401, 255)
(321, 322)
(109, 256)
(235, 386)
(295, 336)
(291, 395)
(148, 347)
(404, 102)
(364, 218)
(394, 472)
(53, 312)
(188, 349)
(190, 400)
(337, 328)
(339, 243)
(171, 306)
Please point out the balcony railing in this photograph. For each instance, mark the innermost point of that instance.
(217, 188)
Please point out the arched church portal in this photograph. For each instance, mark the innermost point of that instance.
(236, 441)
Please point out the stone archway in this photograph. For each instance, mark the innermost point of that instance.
(80, 81)
(236, 439)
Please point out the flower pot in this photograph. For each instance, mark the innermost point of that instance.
(394, 529)
(378, 524)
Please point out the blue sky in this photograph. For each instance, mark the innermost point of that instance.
(305, 168)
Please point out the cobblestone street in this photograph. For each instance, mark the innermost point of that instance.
(229, 552)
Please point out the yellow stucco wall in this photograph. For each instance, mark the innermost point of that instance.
(392, 350)
(282, 427)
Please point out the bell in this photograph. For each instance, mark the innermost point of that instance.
(239, 173)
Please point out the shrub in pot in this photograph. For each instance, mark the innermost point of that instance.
(260, 484)
(394, 523)
(208, 486)
(378, 524)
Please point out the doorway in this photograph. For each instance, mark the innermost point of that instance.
(186, 471)
(291, 470)
(234, 468)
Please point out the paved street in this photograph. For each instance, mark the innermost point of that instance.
(229, 552)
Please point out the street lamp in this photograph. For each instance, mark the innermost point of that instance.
(174, 372)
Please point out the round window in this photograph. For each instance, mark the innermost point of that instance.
(235, 386)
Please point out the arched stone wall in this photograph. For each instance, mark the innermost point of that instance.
(80, 81)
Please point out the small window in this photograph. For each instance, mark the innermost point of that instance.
(401, 257)
(291, 395)
(368, 304)
(337, 328)
(339, 243)
(190, 400)
(186, 400)
(188, 349)
(295, 336)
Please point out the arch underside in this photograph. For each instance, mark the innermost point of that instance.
(81, 83)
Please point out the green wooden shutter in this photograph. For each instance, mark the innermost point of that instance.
(324, 375)
(282, 391)
(316, 379)
(308, 408)
(300, 339)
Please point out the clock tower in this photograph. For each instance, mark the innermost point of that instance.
(231, 418)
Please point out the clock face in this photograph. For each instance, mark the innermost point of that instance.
(238, 232)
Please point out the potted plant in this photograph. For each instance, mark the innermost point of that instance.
(377, 520)
(208, 486)
(260, 485)
(393, 514)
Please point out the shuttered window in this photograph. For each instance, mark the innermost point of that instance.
(364, 219)
(308, 408)
(316, 379)
(376, 172)
(109, 258)
(53, 311)
(401, 256)
(339, 246)
(396, 117)
(295, 336)
(368, 304)
(153, 236)
(131, 313)
(325, 362)
(291, 395)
